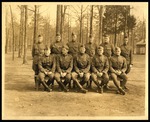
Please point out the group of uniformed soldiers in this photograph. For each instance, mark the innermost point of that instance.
(82, 64)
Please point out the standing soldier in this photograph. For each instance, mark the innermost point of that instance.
(117, 68)
(100, 66)
(37, 52)
(73, 50)
(47, 66)
(90, 50)
(126, 51)
(108, 50)
(82, 69)
(56, 47)
(73, 46)
(108, 47)
(64, 68)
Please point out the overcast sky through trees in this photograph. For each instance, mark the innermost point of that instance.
(49, 9)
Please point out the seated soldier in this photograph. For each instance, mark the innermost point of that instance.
(118, 67)
(100, 66)
(47, 66)
(82, 69)
(90, 50)
(64, 68)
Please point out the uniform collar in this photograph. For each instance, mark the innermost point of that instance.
(117, 55)
(125, 44)
(64, 55)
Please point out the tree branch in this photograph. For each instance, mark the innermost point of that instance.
(85, 9)
(31, 10)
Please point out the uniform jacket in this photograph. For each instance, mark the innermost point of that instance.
(90, 49)
(82, 63)
(118, 63)
(126, 51)
(100, 64)
(73, 47)
(47, 63)
(56, 47)
(64, 63)
(37, 48)
(108, 49)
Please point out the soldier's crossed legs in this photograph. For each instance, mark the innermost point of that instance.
(122, 83)
(67, 80)
(79, 84)
(42, 79)
(104, 80)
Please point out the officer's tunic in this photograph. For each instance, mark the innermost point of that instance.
(73, 48)
(108, 49)
(126, 51)
(37, 51)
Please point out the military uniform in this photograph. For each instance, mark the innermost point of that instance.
(64, 65)
(108, 49)
(126, 51)
(118, 63)
(56, 48)
(81, 64)
(47, 64)
(37, 52)
(73, 48)
(108, 52)
(100, 64)
(90, 50)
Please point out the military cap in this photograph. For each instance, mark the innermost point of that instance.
(65, 46)
(100, 48)
(106, 35)
(73, 34)
(90, 36)
(47, 48)
(81, 46)
(58, 34)
(125, 36)
(117, 48)
(39, 35)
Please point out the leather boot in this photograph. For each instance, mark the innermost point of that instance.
(46, 86)
(80, 87)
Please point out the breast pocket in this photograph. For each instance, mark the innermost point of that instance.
(120, 64)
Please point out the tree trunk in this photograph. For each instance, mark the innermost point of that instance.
(25, 36)
(6, 25)
(58, 19)
(68, 28)
(116, 19)
(81, 25)
(129, 15)
(35, 24)
(100, 23)
(132, 40)
(23, 24)
(91, 21)
(13, 34)
(87, 29)
(21, 32)
(61, 24)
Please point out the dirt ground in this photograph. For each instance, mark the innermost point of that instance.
(22, 101)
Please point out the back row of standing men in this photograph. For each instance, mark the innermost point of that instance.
(82, 63)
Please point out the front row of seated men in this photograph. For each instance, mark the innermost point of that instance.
(63, 68)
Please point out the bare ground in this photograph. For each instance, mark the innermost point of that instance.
(21, 101)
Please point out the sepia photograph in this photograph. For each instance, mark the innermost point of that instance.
(74, 61)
